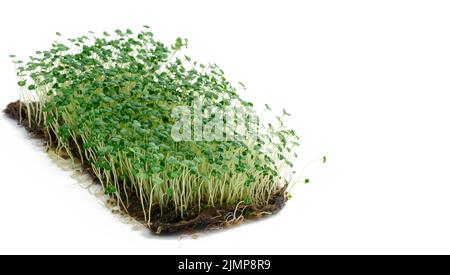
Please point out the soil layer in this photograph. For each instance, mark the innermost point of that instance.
(163, 221)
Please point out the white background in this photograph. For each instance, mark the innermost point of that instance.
(367, 83)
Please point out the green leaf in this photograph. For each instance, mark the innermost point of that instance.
(248, 183)
(248, 201)
(156, 169)
(50, 120)
(173, 175)
(58, 34)
(136, 124)
(103, 164)
(157, 180)
(170, 192)
(142, 176)
(307, 181)
(324, 159)
(178, 43)
(87, 145)
(32, 87)
(110, 189)
(22, 83)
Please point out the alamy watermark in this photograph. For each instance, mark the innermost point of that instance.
(213, 123)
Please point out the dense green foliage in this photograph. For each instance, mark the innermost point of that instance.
(112, 98)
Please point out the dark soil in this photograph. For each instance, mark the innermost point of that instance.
(163, 221)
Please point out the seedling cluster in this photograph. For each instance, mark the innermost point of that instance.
(107, 100)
